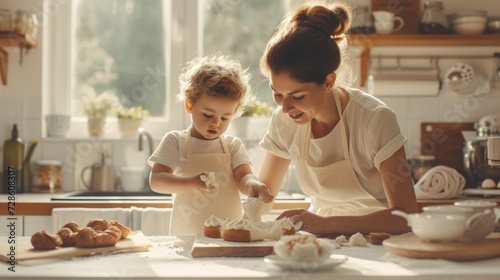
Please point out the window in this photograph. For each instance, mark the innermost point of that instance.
(137, 48)
(120, 48)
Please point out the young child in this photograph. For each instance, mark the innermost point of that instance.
(214, 90)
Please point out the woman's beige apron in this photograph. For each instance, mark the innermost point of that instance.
(192, 209)
(334, 189)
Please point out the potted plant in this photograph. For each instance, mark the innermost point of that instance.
(130, 119)
(97, 107)
(255, 117)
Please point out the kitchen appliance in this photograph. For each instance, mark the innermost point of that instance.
(102, 175)
(476, 164)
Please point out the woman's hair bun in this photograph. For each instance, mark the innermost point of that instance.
(332, 19)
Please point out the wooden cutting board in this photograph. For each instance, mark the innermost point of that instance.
(135, 242)
(408, 245)
(445, 141)
(216, 247)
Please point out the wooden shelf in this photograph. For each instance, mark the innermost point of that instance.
(368, 41)
(12, 39)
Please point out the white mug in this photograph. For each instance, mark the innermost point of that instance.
(132, 178)
(385, 22)
(57, 125)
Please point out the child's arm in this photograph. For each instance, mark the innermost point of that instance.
(162, 180)
(249, 184)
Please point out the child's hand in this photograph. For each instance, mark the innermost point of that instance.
(260, 190)
(208, 182)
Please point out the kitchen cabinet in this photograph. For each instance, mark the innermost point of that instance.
(369, 41)
(12, 39)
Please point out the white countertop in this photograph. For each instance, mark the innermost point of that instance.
(170, 258)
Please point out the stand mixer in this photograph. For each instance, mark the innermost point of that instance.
(494, 151)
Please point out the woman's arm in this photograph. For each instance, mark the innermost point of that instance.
(162, 180)
(400, 193)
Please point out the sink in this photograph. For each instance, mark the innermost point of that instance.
(106, 196)
(145, 195)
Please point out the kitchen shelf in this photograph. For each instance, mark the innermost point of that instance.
(16, 40)
(369, 41)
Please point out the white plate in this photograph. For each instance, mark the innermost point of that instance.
(333, 261)
(483, 192)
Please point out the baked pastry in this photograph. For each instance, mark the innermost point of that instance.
(245, 230)
(98, 224)
(376, 238)
(43, 240)
(305, 248)
(68, 237)
(73, 226)
(124, 229)
(213, 227)
(91, 238)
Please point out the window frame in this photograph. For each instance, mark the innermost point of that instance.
(57, 56)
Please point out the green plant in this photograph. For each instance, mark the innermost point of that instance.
(132, 113)
(99, 106)
(257, 108)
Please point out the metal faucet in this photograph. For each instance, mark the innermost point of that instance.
(147, 170)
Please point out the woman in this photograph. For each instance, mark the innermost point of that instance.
(346, 145)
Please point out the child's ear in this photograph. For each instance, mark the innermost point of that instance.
(188, 104)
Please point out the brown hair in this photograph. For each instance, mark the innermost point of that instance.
(215, 75)
(309, 43)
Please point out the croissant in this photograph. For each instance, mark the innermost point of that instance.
(43, 240)
(124, 229)
(91, 238)
(98, 224)
(68, 237)
(73, 226)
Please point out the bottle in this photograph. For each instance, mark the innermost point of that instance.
(422, 164)
(433, 19)
(13, 153)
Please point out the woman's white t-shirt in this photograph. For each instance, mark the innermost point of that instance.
(373, 136)
(172, 150)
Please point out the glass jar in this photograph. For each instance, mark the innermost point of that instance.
(21, 23)
(421, 164)
(433, 20)
(47, 176)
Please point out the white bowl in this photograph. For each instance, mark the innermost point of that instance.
(469, 28)
(436, 226)
(464, 19)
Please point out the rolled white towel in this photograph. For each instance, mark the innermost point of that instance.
(440, 182)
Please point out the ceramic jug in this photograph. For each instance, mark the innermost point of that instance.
(102, 177)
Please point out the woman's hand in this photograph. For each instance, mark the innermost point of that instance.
(311, 223)
(258, 189)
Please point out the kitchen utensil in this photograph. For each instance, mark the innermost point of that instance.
(459, 76)
(135, 242)
(102, 175)
(441, 223)
(409, 245)
(217, 247)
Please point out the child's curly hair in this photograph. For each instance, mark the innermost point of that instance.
(216, 75)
